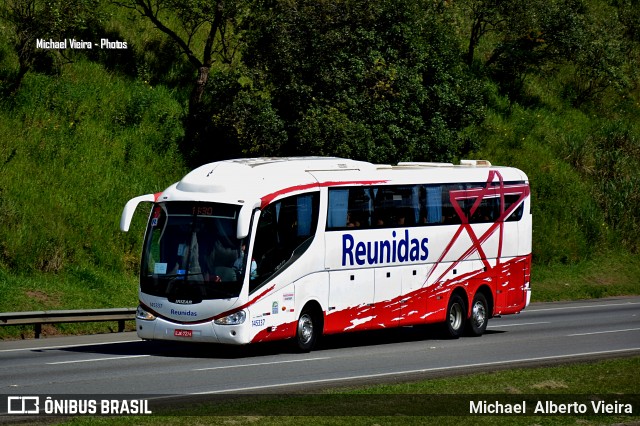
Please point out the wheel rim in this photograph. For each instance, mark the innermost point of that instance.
(455, 316)
(305, 329)
(478, 314)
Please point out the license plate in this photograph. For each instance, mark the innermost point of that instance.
(183, 333)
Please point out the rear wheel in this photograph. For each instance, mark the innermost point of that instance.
(479, 315)
(456, 316)
(307, 331)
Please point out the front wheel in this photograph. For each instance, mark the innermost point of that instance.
(479, 315)
(306, 331)
(456, 316)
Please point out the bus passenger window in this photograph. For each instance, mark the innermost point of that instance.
(338, 208)
(349, 208)
(283, 227)
(452, 194)
(433, 199)
(516, 215)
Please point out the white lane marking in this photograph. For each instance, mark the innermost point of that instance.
(96, 359)
(603, 332)
(581, 307)
(44, 348)
(259, 364)
(515, 325)
(425, 370)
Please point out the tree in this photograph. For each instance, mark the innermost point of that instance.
(30, 20)
(599, 63)
(527, 36)
(629, 15)
(203, 30)
(485, 16)
(238, 120)
(378, 80)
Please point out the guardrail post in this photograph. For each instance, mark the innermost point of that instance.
(37, 328)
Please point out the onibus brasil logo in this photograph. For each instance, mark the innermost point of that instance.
(71, 405)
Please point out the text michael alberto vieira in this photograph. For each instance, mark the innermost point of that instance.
(551, 407)
(72, 43)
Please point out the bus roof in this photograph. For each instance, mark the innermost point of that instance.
(257, 181)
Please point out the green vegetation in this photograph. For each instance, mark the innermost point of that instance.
(401, 402)
(550, 86)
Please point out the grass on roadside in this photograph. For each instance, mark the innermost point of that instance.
(608, 379)
(609, 274)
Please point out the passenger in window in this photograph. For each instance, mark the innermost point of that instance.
(484, 216)
(352, 222)
(450, 217)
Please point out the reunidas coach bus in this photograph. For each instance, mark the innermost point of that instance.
(252, 250)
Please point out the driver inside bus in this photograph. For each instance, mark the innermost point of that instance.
(239, 263)
(225, 264)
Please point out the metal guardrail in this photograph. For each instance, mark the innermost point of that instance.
(37, 318)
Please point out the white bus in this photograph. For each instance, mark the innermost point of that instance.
(252, 250)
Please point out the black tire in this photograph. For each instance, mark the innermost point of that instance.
(479, 318)
(307, 330)
(456, 317)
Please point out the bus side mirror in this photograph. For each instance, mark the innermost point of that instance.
(244, 221)
(130, 208)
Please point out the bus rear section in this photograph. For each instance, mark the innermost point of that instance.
(455, 253)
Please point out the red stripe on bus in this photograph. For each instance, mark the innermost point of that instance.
(270, 197)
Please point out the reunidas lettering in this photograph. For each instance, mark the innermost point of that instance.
(405, 249)
(185, 313)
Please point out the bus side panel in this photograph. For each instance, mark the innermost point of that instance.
(268, 320)
(276, 315)
(518, 288)
(437, 299)
(414, 300)
(388, 300)
(351, 300)
(451, 275)
(507, 280)
(511, 277)
(352, 303)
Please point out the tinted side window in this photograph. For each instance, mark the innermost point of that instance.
(397, 206)
(350, 208)
(482, 204)
(418, 205)
(285, 229)
(452, 195)
(509, 200)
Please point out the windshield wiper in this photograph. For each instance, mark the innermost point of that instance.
(174, 276)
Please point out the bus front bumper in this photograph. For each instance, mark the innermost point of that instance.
(161, 329)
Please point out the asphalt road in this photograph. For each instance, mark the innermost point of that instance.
(543, 334)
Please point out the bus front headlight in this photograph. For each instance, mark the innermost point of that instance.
(233, 319)
(144, 315)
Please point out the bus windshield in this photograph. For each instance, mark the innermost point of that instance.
(191, 252)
